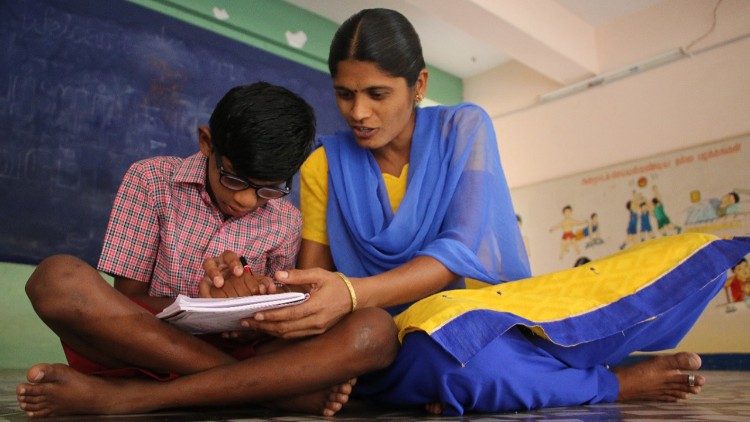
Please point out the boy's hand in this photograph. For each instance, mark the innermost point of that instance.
(218, 268)
(245, 285)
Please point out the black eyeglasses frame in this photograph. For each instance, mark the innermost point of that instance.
(235, 182)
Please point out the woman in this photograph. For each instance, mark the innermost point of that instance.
(412, 200)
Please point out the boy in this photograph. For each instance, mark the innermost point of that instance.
(169, 215)
(567, 225)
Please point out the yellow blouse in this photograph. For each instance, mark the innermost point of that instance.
(314, 194)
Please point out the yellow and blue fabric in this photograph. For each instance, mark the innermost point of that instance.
(548, 340)
(456, 208)
(578, 305)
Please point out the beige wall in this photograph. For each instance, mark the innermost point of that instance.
(687, 102)
(682, 104)
(670, 24)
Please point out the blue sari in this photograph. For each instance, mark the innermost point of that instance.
(457, 208)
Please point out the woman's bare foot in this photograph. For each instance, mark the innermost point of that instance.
(661, 378)
(55, 390)
(325, 402)
(434, 408)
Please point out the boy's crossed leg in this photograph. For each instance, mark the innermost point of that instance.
(310, 375)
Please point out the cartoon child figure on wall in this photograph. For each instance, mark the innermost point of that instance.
(591, 232)
(728, 205)
(647, 231)
(568, 225)
(663, 223)
(737, 287)
(712, 209)
(633, 207)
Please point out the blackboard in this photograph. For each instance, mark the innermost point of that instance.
(89, 87)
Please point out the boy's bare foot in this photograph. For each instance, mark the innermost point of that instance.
(338, 397)
(55, 390)
(325, 402)
(661, 378)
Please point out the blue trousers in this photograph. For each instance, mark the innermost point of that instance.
(520, 371)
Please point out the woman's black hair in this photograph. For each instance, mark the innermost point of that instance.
(381, 36)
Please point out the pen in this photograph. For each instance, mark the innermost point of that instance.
(245, 265)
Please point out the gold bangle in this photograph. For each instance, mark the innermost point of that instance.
(349, 286)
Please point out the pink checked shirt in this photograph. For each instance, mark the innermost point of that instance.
(163, 225)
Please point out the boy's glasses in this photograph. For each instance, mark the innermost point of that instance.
(235, 182)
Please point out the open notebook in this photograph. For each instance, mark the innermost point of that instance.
(206, 315)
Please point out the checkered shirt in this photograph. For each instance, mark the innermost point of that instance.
(163, 225)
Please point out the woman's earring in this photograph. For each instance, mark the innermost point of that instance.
(419, 97)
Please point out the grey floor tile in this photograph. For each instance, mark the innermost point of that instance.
(725, 398)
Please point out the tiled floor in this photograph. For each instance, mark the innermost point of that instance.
(725, 398)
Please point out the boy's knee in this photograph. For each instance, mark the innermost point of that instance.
(54, 277)
(374, 338)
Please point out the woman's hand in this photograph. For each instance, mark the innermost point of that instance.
(329, 302)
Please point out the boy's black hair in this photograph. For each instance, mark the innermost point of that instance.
(264, 130)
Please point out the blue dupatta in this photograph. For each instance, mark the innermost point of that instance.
(457, 208)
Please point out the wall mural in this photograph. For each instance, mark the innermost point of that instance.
(575, 219)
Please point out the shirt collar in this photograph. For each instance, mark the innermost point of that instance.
(192, 170)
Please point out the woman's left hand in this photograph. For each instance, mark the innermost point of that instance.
(329, 302)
